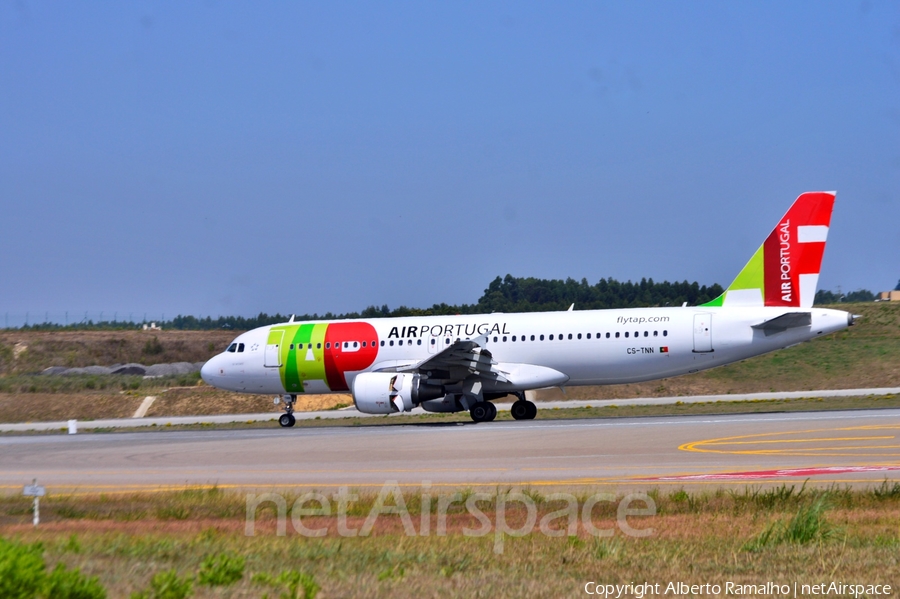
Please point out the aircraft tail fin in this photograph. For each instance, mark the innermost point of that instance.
(784, 271)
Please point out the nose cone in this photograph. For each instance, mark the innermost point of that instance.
(209, 372)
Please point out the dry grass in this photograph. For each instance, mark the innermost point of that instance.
(207, 400)
(23, 352)
(698, 538)
(39, 407)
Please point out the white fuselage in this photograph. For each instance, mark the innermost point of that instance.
(592, 347)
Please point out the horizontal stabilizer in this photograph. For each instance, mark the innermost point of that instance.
(784, 322)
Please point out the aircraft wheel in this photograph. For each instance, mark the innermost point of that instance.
(480, 411)
(532, 410)
(287, 420)
(519, 410)
(492, 412)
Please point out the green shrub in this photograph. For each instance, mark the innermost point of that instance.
(296, 582)
(167, 585)
(22, 570)
(23, 575)
(72, 584)
(886, 491)
(153, 347)
(807, 525)
(221, 570)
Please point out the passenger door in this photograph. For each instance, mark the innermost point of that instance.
(273, 349)
(703, 333)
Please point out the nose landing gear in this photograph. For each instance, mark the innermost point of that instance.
(287, 419)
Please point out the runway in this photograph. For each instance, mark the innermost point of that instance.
(825, 447)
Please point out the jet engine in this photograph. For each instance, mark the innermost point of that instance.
(388, 392)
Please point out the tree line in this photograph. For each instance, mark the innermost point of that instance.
(507, 294)
(503, 294)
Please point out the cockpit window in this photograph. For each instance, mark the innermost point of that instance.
(240, 347)
(232, 348)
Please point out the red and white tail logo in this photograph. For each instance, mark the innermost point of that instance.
(793, 251)
(784, 271)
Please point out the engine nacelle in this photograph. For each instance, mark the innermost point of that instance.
(388, 392)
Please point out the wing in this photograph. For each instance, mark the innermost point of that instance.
(456, 362)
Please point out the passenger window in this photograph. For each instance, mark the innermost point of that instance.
(607, 335)
(292, 346)
(579, 335)
(432, 342)
(570, 336)
(355, 344)
(364, 344)
(240, 347)
(637, 334)
(626, 334)
(318, 346)
(656, 333)
(392, 343)
(513, 337)
(646, 333)
(382, 343)
(504, 338)
(665, 333)
(542, 337)
(532, 337)
(588, 336)
(495, 339)
(551, 337)
(232, 348)
(374, 344)
(328, 345)
(419, 342)
(617, 335)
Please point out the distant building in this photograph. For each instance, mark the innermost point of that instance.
(889, 296)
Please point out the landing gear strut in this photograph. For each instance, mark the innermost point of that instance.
(483, 411)
(523, 409)
(287, 419)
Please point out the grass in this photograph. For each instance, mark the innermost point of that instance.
(29, 352)
(86, 383)
(712, 536)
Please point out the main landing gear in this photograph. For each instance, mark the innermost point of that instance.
(287, 419)
(483, 411)
(523, 409)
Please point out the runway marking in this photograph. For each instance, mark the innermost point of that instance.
(778, 473)
(734, 445)
(795, 440)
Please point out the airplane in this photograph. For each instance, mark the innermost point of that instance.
(465, 362)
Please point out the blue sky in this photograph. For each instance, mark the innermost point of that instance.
(224, 158)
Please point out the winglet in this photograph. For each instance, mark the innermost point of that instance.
(784, 271)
